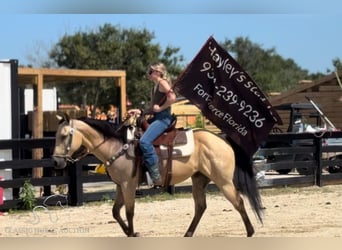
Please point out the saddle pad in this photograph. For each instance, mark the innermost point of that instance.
(180, 149)
(184, 145)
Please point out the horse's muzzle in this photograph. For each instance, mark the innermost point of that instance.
(60, 162)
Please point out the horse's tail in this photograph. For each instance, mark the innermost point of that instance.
(246, 184)
(244, 180)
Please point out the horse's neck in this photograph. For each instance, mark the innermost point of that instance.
(95, 142)
(90, 136)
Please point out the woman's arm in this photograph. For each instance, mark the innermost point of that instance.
(164, 87)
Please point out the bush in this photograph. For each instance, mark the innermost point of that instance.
(199, 121)
(26, 196)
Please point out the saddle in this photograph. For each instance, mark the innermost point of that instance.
(172, 143)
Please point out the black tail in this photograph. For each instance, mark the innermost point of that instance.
(247, 185)
(244, 179)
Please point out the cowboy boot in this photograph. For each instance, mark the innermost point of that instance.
(155, 175)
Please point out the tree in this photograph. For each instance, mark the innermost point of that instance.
(337, 64)
(270, 71)
(109, 48)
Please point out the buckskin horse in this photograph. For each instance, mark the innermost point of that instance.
(212, 159)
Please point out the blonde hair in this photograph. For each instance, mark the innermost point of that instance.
(161, 68)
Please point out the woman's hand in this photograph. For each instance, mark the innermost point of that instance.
(132, 112)
(156, 108)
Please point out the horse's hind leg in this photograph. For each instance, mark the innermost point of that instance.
(199, 185)
(235, 198)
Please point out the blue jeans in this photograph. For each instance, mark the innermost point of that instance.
(159, 123)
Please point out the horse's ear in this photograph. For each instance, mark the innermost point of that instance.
(63, 117)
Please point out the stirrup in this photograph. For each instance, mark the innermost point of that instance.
(158, 183)
(157, 186)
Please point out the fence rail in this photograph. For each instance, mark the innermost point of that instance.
(301, 151)
(76, 175)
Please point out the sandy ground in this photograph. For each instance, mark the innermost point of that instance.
(290, 212)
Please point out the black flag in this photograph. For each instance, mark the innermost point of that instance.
(228, 97)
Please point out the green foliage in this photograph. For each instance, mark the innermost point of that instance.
(26, 196)
(106, 198)
(164, 196)
(269, 70)
(111, 48)
(199, 123)
(337, 64)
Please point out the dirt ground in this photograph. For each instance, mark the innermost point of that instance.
(289, 212)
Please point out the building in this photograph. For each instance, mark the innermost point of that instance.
(325, 92)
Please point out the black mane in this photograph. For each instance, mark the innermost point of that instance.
(108, 129)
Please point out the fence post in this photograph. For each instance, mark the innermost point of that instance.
(75, 185)
(47, 172)
(318, 156)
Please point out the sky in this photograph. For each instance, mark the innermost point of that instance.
(308, 34)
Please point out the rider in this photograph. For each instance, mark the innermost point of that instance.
(162, 98)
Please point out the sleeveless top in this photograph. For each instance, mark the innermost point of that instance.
(159, 98)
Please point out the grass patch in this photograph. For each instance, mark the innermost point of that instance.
(266, 192)
(294, 190)
(163, 197)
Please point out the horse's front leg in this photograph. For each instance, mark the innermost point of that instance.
(118, 204)
(125, 196)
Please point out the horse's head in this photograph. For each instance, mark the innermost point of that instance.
(68, 145)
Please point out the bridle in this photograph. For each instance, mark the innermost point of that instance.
(69, 158)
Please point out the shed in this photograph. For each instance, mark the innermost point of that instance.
(37, 77)
(326, 92)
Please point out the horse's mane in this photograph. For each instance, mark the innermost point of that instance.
(108, 129)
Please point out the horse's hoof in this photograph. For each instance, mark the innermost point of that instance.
(250, 233)
(188, 234)
(136, 235)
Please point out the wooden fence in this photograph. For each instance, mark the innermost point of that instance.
(304, 150)
(76, 175)
(73, 175)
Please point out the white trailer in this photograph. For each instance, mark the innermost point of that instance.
(8, 72)
(49, 100)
